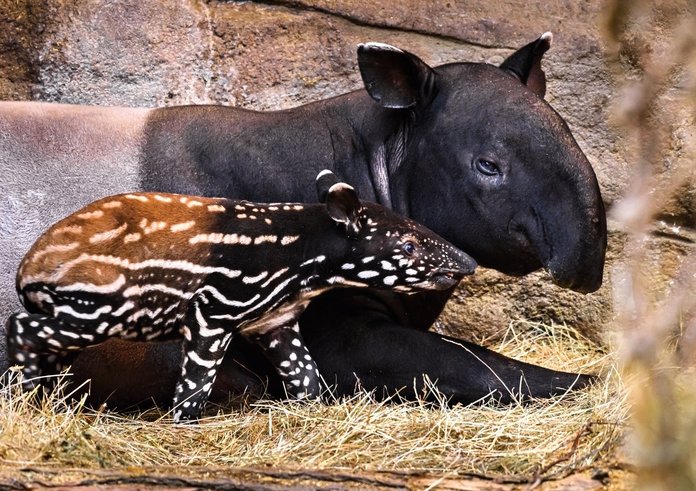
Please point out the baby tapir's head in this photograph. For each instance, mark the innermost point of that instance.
(386, 250)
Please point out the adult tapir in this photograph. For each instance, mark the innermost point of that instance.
(470, 150)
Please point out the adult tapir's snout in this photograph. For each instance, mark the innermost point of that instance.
(565, 225)
(577, 260)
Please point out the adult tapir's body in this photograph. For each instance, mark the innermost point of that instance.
(467, 149)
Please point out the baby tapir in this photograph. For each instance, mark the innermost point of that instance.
(155, 266)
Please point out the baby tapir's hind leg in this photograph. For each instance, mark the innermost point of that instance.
(43, 344)
(286, 350)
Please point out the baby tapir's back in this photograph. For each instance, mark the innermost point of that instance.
(133, 250)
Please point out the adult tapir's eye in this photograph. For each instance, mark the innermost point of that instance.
(487, 167)
(409, 248)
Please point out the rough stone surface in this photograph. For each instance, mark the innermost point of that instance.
(279, 54)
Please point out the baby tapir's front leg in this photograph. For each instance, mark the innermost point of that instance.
(285, 349)
(206, 341)
(208, 331)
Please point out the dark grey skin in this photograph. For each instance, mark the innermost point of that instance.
(470, 150)
(524, 189)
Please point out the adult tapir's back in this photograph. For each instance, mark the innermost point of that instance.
(218, 151)
(470, 150)
(55, 159)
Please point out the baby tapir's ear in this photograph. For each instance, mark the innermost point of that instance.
(344, 207)
(325, 179)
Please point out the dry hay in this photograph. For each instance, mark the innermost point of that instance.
(517, 443)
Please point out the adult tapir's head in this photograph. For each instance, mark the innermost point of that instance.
(490, 165)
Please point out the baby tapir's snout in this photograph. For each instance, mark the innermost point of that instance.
(458, 264)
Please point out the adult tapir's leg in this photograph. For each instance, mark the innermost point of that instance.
(156, 366)
(386, 358)
(346, 340)
(363, 343)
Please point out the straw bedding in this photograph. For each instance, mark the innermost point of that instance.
(517, 443)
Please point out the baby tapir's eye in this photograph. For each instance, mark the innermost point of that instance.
(409, 248)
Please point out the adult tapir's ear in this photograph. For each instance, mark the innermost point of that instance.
(393, 77)
(525, 63)
(344, 207)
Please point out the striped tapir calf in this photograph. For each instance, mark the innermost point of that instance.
(155, 266)
(471, 150)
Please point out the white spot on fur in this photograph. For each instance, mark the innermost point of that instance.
(367, 274)
(390, 280)
(70, 229)
(250, 280)
(137, 197)
(139, 290)
(92, 288)
(180, 227)
(134, 237)
(91, 214)
(123, 308)
(112, 204)
(289, 239)
(154, 227)
(53, 248)
(68, 310)
(108, 234)
(193, 356)
(272, 239)
(218, 238)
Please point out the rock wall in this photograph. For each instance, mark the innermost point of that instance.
(278, 54)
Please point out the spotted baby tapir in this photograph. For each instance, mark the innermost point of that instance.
(158, 266)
